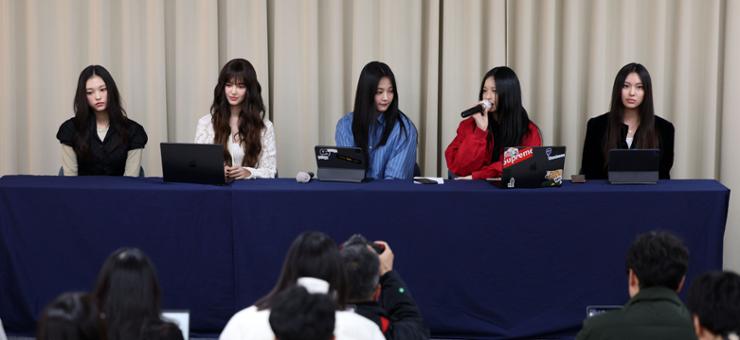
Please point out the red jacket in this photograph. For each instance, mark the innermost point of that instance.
(467, 154)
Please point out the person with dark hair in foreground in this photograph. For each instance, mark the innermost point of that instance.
(299, 315)
(656, 270)
(71, 316)
(714, 302)
(312, 255)
(378, 292)
(128, 295)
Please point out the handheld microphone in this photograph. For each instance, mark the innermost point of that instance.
(484, 105)
(303, 177)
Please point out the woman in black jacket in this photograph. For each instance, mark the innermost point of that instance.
(631, 123)
(100, 140)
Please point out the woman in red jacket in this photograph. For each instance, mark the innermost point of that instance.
(477, 150)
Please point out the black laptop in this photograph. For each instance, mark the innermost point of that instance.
(193, 163)
(634, 166)
(340, 164)
(532, 167)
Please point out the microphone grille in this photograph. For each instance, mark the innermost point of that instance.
(302, 177)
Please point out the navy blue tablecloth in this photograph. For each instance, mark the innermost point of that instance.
(481, 261)
(56, 232)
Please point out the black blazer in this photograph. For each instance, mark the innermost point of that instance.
(593, 163)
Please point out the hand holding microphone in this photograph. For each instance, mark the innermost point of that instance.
(481, 120)
(303, 177)
(482, 107)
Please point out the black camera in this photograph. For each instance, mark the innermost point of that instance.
(358, 239)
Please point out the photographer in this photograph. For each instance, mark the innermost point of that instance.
(378, 293)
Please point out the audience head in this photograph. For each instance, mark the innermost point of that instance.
(656, 259)
(128, 294)
(312, 254)
(297, 314)
(71, 316)
(362, 265)
(714, 302)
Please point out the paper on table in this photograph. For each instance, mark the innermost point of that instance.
(428, 180)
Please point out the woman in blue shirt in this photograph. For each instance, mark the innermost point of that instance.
(377, 125)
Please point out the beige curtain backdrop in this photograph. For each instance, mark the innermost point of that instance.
(166, 54)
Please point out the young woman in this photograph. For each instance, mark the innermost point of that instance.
(100, 139)
(377, 125)
(315, 255)
(477, 150)
(237, 121)
(631, 123)
(128, 295)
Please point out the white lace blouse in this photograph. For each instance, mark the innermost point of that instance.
(267, 163)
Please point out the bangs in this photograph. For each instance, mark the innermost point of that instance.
(235, 75)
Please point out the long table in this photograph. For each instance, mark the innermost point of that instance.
(482, 262)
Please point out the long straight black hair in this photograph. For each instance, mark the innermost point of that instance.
(128, 294)
(645, 137)
(365, 111)
(83, 111)
(512, 122)
(251, 124)
(312, 254)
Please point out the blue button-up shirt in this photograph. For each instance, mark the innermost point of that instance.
(395, 159)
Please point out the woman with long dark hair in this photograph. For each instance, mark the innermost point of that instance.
(311, 255)
(631, 123)
(128, 296)
(237, 122)
(377, 125)
(100, 139)
(477, 150)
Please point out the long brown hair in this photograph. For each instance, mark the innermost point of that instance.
(239, 71)
(645, 137)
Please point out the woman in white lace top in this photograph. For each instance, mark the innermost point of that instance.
(237, 121)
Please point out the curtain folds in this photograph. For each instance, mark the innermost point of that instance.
(165, 56)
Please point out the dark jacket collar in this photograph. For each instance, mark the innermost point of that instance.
(655, 294)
